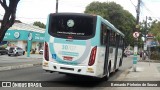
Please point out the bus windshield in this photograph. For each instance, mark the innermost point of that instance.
(78, 26)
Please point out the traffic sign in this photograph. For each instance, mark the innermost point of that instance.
(136, 34)
(137, 26)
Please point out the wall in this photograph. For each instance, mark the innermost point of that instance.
(20, 38)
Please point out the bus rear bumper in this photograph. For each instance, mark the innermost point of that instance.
(79, 70)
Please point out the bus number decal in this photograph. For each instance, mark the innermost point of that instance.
(64, 47)
(68, 47)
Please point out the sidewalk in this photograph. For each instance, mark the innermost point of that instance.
(145, 71)
(16, 62)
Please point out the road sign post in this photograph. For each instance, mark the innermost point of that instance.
(135, 57)
(136, 35)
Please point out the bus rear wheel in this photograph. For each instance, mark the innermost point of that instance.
(120, 63)
(108, 73)
(23, 52)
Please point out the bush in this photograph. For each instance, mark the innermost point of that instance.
(155, 55)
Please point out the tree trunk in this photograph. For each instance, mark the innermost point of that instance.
(9, 16)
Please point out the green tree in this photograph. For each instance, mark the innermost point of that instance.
(9, 16)
(155, 29)
(114, 13)
(39, 24)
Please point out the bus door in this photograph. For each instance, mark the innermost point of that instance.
(116, 52)
(105, 42)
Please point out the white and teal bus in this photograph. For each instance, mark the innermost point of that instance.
(82, 44)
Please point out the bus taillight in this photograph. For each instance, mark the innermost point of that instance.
(46, 52)
(92, 56)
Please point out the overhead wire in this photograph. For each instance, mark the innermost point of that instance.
(133, 4)
(149, 11)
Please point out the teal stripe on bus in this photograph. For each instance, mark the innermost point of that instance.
(95, 41)
(47, 36)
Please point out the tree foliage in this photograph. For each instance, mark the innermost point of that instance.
(39, 24)
(155, 29)
(9, 16)
(114, 13)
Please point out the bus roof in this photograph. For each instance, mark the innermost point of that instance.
(110, 25)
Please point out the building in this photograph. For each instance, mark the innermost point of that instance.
(20, 34)
(151, 42)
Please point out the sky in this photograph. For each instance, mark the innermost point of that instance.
(29, 11)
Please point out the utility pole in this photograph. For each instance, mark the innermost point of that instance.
(145, 41)
(56, 6)
(138, 12)
(145, 33)
(136, 35)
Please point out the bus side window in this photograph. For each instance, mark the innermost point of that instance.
(112, 39)
(121, 42)
(103, 34)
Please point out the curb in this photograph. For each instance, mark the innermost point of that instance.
(122, 76)
(29, 58)
(18, 66)
(152, 61)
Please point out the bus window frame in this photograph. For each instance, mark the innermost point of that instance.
(76, 37)
(113, 42)
(103, 37)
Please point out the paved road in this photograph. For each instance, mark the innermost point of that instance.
(6, 60)
(37, 74)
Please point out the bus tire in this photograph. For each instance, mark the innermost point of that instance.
(117, 70)
(120, 63)
(23, 52)
(108, 72)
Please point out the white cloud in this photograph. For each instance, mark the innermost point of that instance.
(29, 11)
(151, 9)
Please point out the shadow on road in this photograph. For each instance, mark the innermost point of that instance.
(76, 81)
(79, 81)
